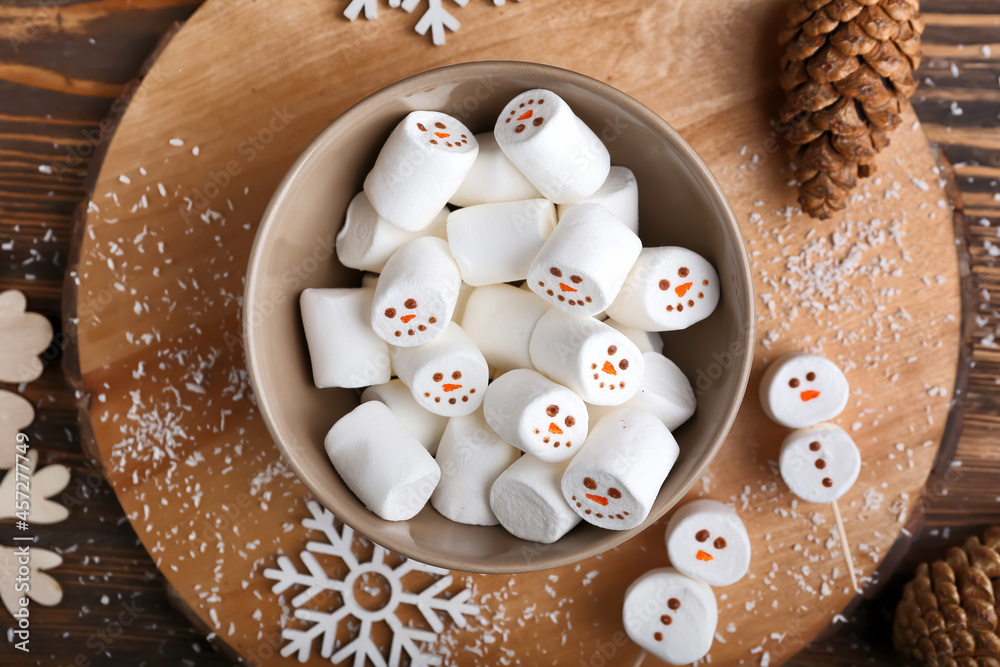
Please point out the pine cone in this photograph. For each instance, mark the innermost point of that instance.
(847, 70)
(948, 614)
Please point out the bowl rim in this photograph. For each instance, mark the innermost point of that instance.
(356, 518)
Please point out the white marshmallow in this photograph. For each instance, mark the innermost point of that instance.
(665, 392)
(425, 426)
(619, 194)
(366, 241)
(464, 292)
(707, 541)
(419, 168)
(614, 480)
(471, 457)
(803, 389)
(500, 320)
(343, 349)
(646, 341)
(668, 289)
(528, 503)
(583, 265)
(600, 364)
(552, 147)
(381, 462)
(819, 463)
(671, 616)
(493, 178)
(536, 415)
(416, 294)
(447, 376)
(495, 243)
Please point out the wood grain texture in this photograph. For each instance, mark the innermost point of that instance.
(26, 203)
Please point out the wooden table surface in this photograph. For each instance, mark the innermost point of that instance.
(64, 64)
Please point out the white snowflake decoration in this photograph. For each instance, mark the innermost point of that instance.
(326, 623)
(436, 18)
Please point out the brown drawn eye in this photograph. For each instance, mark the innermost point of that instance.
(664, 285)
(810, 376)
(552, 410)
(556, 272)
(793, 383)
(614, 493)
(390, 313)
(612, 350)
(702, 535)
(589, 483)
(457, 375)
(623, 364)
(410, 303)
(674, 603)
(438, 377)
(576, 279)
(683, 272)
(570, 421)
(720, 543)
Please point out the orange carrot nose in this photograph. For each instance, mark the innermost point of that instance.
(451, 387)
(406, 318)
(526, 115)
(554, 429)
(704, 556)
(809, 395)
(683, 289)
(566, 288)
(600, 500)
(442, 135)
(609, 369)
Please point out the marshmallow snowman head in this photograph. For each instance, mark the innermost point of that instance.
(800, 390)
(707, 541)
(671, 616)
(820, 463)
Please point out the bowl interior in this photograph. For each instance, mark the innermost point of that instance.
(680, 204)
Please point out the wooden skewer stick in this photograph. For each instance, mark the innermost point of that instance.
(846, 546)
(640, 659)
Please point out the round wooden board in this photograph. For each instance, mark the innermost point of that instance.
(244, 87)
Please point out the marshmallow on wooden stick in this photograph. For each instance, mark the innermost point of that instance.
(500, 320)
(803, 389)
(668, 289)
(343, 349)
(447, 376)
(619, 194)
(707, 541)
(552, 147)
(527, 501)
(614, 480)
(583, 264)
(496, 243)
(419, 168)
(424, 425)
(664, 391)
(381, 462)
(471, 457)
(536, 415)
(493, 178)
(600, 364)
(819, 463)
(366, 241)
(416, 294)
(671, 616)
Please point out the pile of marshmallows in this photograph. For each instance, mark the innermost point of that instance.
(580, 386)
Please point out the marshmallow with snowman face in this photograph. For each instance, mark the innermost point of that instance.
(343, 349)
(471, 456)
(366, 241)
(668, 289)
(495, 243)
(552, 147)
(619, 194)
(665, 392)
(671, 616)
(707, 541)
(447, 376)
(800, 390)
(381, 462)
(585, 261)
(613, 481)
(600, 364)
(493, 178)
(419, 168)
(536, 415)
(528, 503)
(819, 463)
(416, 295)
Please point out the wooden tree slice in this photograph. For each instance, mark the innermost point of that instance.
(245, 86)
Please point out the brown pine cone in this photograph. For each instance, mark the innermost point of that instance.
(948, 614)
(847, 69)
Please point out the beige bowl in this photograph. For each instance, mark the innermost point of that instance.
(680, 204)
